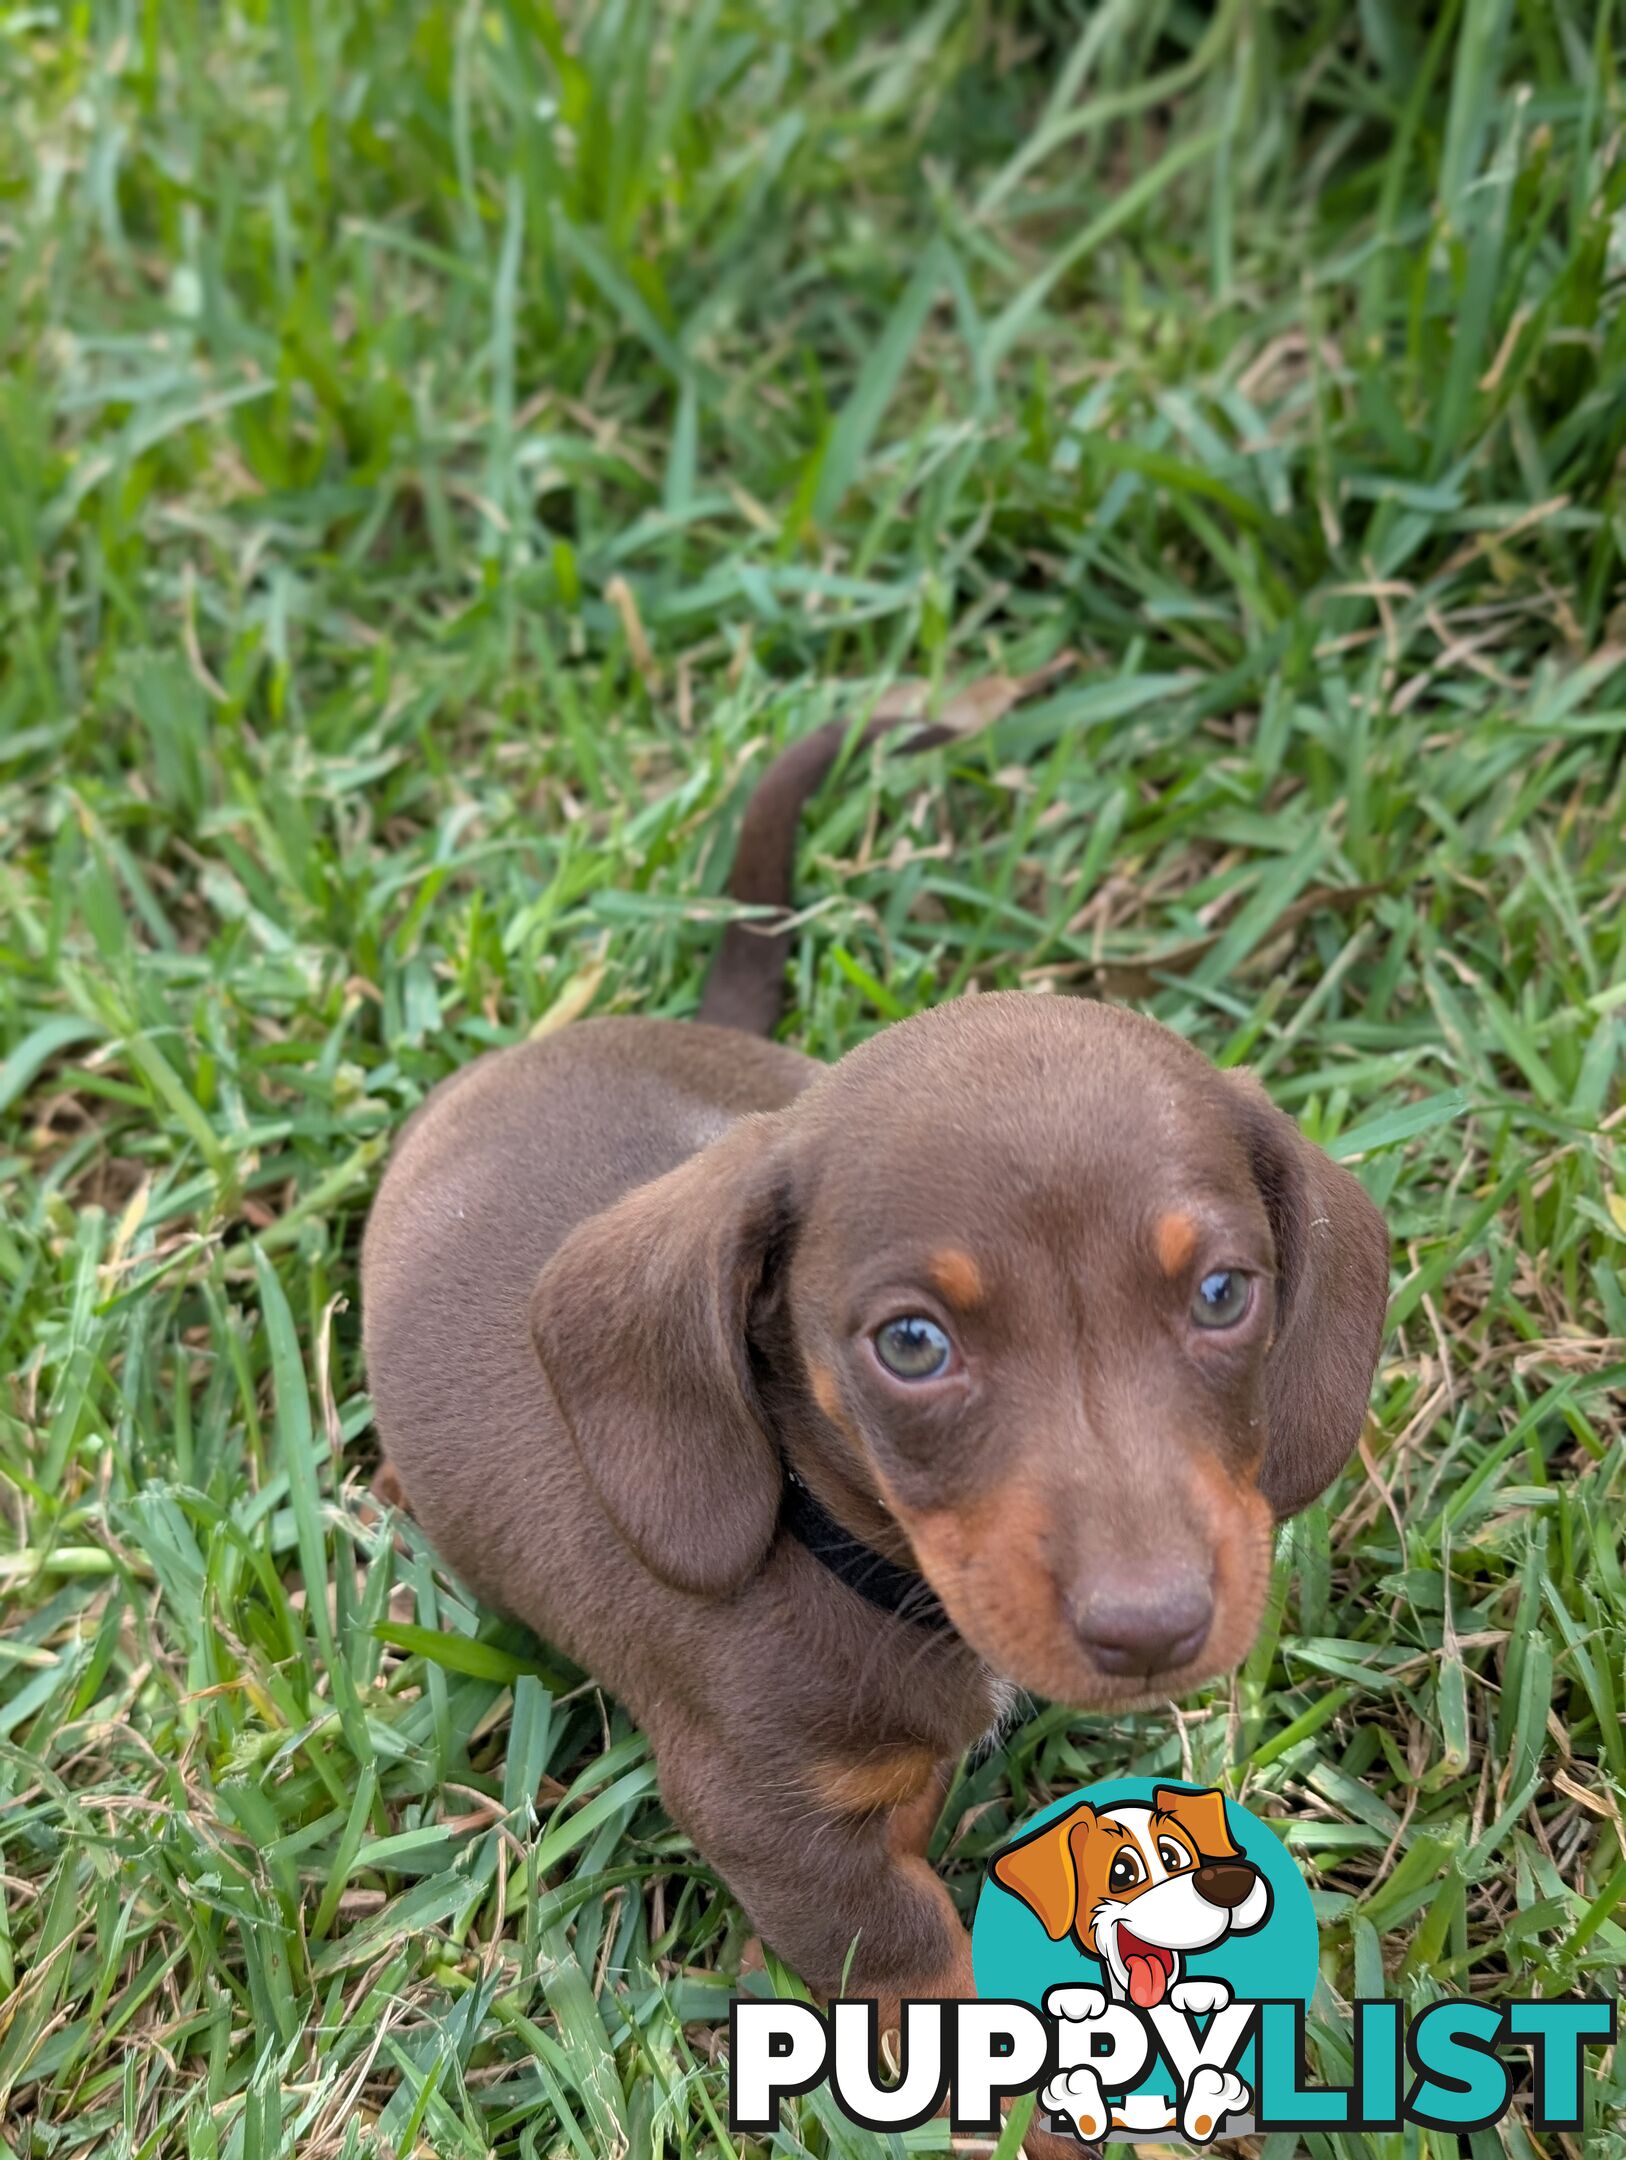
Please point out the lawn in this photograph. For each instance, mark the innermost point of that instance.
(442, 450)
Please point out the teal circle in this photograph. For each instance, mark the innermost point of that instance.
(1012, 1957)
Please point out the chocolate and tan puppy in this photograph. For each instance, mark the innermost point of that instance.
(811, 1407)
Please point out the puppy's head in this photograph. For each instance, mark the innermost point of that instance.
(1032, 1295)
(1139, 1886)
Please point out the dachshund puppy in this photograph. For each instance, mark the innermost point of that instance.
(810, 1408)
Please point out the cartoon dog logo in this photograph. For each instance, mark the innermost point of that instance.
(1139, 1887)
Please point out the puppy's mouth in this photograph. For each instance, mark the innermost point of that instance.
(1148, 1968)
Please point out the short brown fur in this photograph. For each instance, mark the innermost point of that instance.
(617, 1280)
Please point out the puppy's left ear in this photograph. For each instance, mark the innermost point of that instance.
(641, 1321)
(1332, 1288)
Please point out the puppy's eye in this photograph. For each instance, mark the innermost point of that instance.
(1125, 1871)
(1173, 1857)
(1222, 1298)
(913, 1348)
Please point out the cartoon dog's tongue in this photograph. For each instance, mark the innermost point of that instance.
(1148, 1966)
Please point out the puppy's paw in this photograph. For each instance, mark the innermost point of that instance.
(1198, 1997)
(1075, 2005)
(1076, 2096)
(1211, 2096)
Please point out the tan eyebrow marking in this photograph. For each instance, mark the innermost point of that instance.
(1175, 1236)
(957, 1275)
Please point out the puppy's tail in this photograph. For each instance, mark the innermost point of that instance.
(746, 986)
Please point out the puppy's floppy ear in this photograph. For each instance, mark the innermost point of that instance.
(1332, 1287)
(1043, 1871)
(640, 1322)
(1203, 1814)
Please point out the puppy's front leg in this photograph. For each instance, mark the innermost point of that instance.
(829, 1865)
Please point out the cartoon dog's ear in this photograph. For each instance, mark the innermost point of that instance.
(1203, 1814)
(1043, 1870)
(1332, 1290)
(640, 1320)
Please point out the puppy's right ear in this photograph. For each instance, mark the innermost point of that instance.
(1042, 1870)
(640, 1322)
(1332, 1290)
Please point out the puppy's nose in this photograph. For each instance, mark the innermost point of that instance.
(1143, 1629)
(1224, 1882)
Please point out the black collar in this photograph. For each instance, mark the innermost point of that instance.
(888, 1587)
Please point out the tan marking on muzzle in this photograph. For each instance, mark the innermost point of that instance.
(983, 1561)
(1241, 1535)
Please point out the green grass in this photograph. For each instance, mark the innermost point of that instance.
(441, 450)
